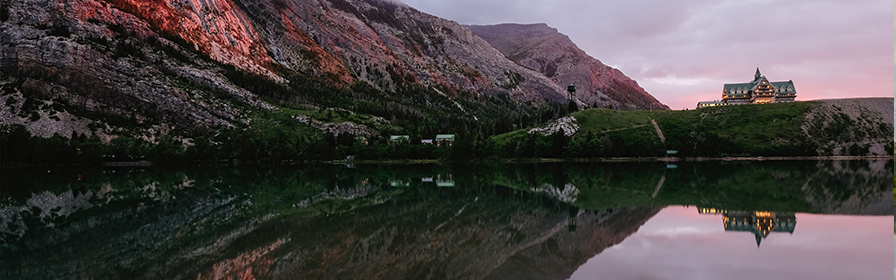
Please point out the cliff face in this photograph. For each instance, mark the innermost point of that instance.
(391, 45)
(95, 66)
(540, 47)
(78, 66)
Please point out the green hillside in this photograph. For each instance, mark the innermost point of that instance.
(814, 128)
(844, 127)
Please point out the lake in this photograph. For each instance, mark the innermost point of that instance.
(683, 220)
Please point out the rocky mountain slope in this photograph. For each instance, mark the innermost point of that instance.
(843, 125)
(543, 48)
(157, 67)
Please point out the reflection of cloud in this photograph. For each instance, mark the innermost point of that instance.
(678, 231)
(824, 247)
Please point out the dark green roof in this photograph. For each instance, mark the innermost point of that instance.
(785, 86)
(744, 87)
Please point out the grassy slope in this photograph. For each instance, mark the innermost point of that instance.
(745, 130)
(770, 129)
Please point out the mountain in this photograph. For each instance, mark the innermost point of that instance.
(543, 48)
(150, 68)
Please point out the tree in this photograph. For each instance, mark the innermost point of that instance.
(572, 107)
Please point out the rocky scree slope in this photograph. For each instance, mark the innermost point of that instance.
(89, 66)
(851, 126)
(543, 48)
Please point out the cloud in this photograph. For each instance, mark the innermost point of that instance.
(683, 51)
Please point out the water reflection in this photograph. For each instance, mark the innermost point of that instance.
(760, 223)
(679, 243)
(486, 221)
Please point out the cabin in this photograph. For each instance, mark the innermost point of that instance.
(758, 91)
(399, 183)
(444, 140)
(399, 138)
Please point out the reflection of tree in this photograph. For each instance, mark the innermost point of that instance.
(242, 221)
(851, 187)
(567, 194)
(348, 193)
(192, 219)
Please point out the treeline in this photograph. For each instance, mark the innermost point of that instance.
(278, 143)
(275, 143)
(18, 146)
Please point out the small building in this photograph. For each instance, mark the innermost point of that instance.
(703, 104)
(444, 140)
(399, 183)
(758, 91)
(399, 138)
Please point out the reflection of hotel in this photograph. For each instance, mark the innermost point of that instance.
(760, 223)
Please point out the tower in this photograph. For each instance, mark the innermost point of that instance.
(571, 89)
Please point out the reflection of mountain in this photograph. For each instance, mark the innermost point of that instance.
(833, 187)
(146, 239)
(360, 230)
(851, 187)
(760, 223)
(560, 255)
(467, 238)
(385, 222)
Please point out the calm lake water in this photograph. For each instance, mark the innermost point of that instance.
(706, 220)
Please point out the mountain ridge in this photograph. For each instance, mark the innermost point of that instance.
(552, 53)
(153, 68)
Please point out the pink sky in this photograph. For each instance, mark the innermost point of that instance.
(682, 52)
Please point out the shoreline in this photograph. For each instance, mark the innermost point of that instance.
(145, 163)
(618, 159)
